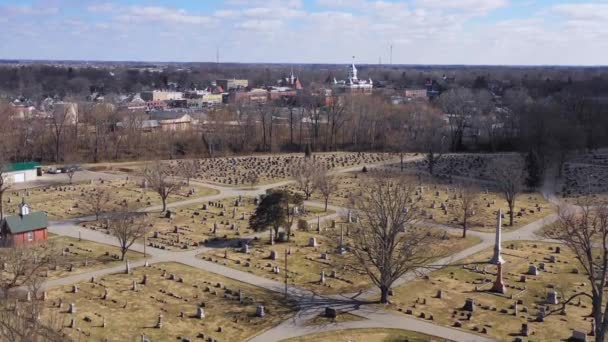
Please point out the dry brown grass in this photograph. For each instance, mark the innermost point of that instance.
(84, 256)
(305, 263)
(458, 284)
(195, 224)
(69, 201)
(222, 308)
(351, 184)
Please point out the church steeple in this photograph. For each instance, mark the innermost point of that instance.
(24, 209)
(352, 71)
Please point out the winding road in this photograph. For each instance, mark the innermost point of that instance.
(310, 304)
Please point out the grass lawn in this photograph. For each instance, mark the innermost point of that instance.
(434, 193)
(195, 223)
(128, 313)
(232, 171)
(69, 201)
(366, 335)
(495, 312)
(305, 263)
(83, 256)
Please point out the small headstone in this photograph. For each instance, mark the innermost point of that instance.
(259, 311)
(578, 336)
(552, 298)
(200, 312)
(469, 305)
(312, 242)
(532, 270)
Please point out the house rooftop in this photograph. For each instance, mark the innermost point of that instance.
(27, 223)
(23, 166)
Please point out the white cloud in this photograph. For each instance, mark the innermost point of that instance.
(467, 6)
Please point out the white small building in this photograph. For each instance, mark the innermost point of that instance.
(22, 172)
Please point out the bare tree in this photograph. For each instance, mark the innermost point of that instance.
(384, 243)
(465, 204)
(304, 175)
(326, 184)
(59, 119)
(509, 179)
(187, 169)
(21, 322)
(585, 232)
(127, 226)
(98, 200)
(159, 178)
(5, 184)
(23, 267)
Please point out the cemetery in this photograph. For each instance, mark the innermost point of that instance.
(165, 302)
(438, 201)
(585, 180)
(315, 259)
(79, 256)
(218, 221)
(518, 297)
(367, 335)
(237, 171)
(70, 201)
(464, 165)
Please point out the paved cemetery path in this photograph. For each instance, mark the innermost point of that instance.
(310, 303)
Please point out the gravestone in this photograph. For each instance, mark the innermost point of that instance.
(578, 336)
(312, 242)
(159, 322)
(552, 298)
(532, 270)
(525, 330)
(259, 311)
(200, 313)
(72, 308)
(469, 305)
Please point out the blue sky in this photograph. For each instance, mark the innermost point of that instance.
(522, 32)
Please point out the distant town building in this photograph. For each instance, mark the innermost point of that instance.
(232, 84)
(66, 110)
(416, 94)
(290, 81)
(23, 229)
(172, 121)
(161, 95)
(353, 84)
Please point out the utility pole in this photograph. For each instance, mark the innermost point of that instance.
(285, 272)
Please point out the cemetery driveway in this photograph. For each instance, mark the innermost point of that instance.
(311, 303)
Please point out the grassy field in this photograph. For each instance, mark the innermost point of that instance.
(305, 263)
(69, 201)
(129, 314)
(233, 171)
(495, 312)
(195, 224)
(366, 335)
(433, 193)
(83, 256)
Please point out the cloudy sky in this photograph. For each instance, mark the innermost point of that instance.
(514, 32)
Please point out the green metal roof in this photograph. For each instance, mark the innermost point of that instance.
(22, 224)
(22, 166)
